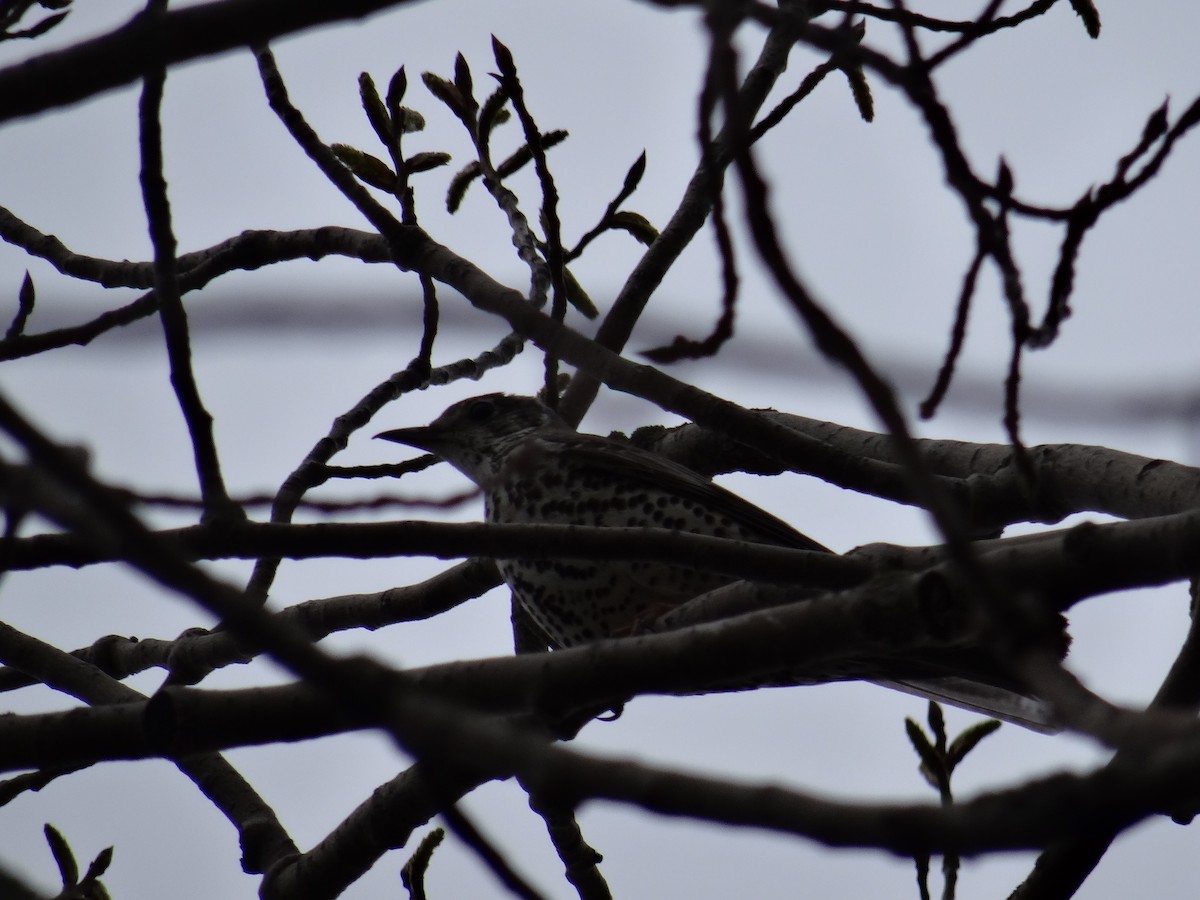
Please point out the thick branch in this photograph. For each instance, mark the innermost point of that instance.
(1070, 478)
(1065, 564)
(124, 54)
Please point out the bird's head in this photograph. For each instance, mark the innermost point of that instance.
(476, 435)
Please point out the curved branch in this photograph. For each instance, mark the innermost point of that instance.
(247, 251)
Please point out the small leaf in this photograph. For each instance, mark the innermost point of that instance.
(63, 857)
(409, 120)
(1087, 11)
(577, 296)
(634, 176)
(459, 184)
(40, 28)
(377, 113)
(636, 224)
(1004, 179)
(931, 763)
(395, 92)
(1156, 125)
(522, 157)
(366, 167)
(493, 113)
(860, 89)
(99, 865)
(504, 58)
(447, 93)
(937, 724)
(423, 162)
(464, 83)
(968, 740)
(25, 300)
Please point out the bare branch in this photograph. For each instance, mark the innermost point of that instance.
(217, 505)
(262, 837)
(123, 55)
(687, 220)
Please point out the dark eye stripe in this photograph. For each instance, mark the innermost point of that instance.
(480, 410)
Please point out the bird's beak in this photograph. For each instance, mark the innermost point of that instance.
(422, 437)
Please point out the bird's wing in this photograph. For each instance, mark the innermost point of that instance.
(627, 461)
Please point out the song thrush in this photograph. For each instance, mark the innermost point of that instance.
(535, 468)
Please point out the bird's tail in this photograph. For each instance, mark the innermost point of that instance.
(985, 699)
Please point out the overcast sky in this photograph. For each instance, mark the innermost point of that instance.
(873, 230)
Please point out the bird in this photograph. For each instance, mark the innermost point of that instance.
(534, 468)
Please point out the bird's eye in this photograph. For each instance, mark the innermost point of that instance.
(480, 410)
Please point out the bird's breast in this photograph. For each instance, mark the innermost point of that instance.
(579, 600)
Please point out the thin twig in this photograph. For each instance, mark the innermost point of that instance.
(217, 505)
(689, 216)
(1001, 613)
(580, 861)
(510, 82)
(681, 347)
(414, 376)
(470, 835)
(958, 334)
(204, 651)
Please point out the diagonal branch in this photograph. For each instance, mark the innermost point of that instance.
(688, 217)
(123, 55)
(1063, 866)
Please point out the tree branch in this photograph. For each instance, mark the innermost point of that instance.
(123, 55)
